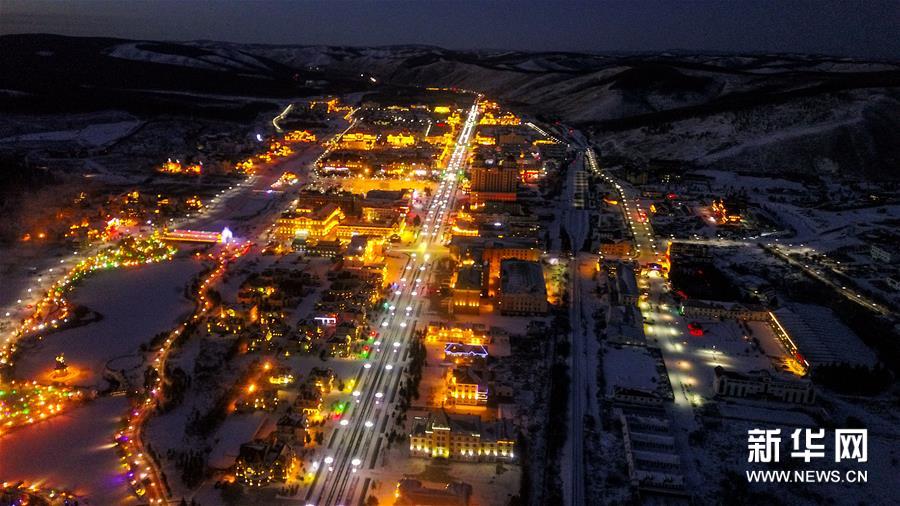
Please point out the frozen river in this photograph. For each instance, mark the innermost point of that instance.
(75, 450)
(135, 303)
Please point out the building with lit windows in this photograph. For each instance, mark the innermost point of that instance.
(262, 462)
(358, 140)
(467, 290)
(694, 308)
(380, 211)
(495, 251)
(401, 140)
(727, 213)
(382, 229)
(461, 437)
(308, 401)
(466, 386)
(291, 428)
(299, 136)
(326, 248)
(345, 162)
(522, 288)
(450, 332)
(506, 119)
(618, 249)
(362, 251)
(461, 353)
(308, 222)
(491, 252)
(494, 182)
(255, 397)
(485, 140)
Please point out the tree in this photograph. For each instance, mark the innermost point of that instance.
(565, 242)
(371, 501)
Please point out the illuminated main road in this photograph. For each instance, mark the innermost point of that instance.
(354, 445)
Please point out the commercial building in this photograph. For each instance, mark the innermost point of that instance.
(815, 336)
(344, 162)
(620, 249)
(357, 140)
(522, 288)
(461, 437)
(694, 308)
(451, 332)
(494, 182)
(401, 140)
(506, 119)
(348, 202)
(466, 386)
(380, 211)
(308, 222)
(467, 290)
(762, 384)
(495, 251)
(383, 229)
(363, 250)
(326, 248)
(490, 252)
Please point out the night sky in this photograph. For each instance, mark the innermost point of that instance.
(853, 28)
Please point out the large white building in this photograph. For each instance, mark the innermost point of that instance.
(763, 384)
(816, 336)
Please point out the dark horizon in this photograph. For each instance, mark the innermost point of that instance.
(834, 28)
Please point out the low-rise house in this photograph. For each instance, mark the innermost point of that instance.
(262, 462)
(291, 428)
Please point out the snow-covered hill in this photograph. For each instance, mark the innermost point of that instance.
(765, 113)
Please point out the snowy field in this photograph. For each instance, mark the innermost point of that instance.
(629, 367)
(492, 483)
(726, 445)
(98, 134)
